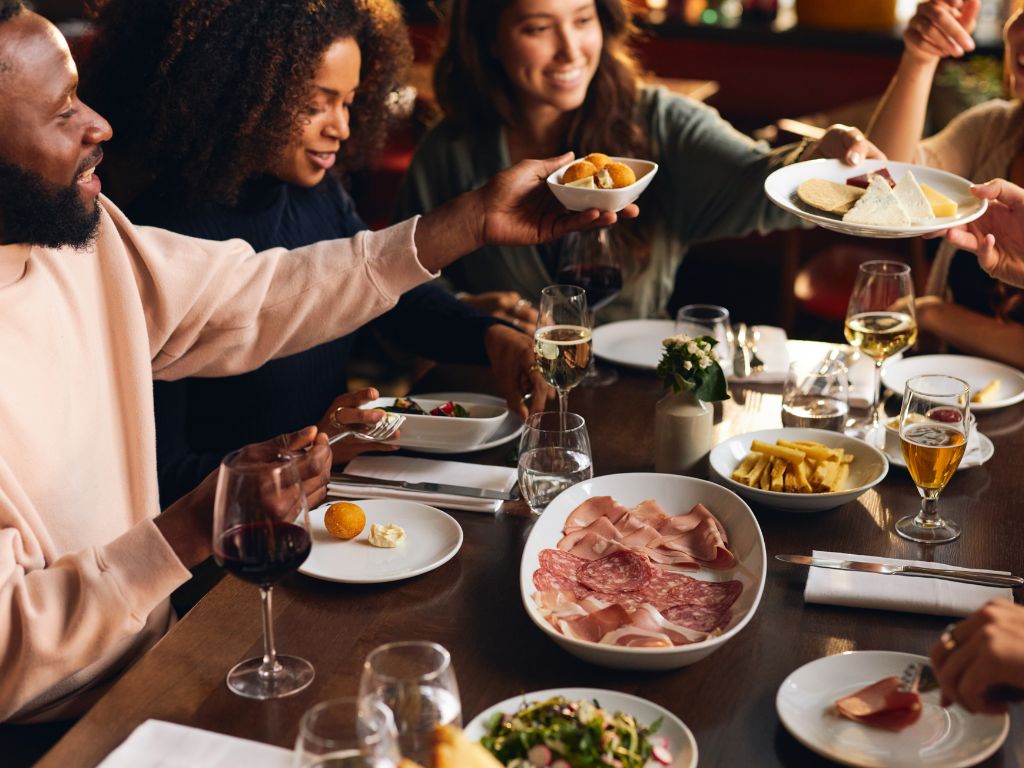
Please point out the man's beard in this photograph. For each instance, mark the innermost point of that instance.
(35, 212)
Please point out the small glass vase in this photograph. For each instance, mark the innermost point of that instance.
(682, 434)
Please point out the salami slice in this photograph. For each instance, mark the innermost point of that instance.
(557, 571)
(699, 617)
(622, 571)
(544, 580)
(672, 589)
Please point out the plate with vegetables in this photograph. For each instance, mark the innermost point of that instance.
(447, 424)
(583, 727)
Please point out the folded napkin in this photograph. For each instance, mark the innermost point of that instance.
(911, 594)
(771, 348)
(157, 744)
(426, 471)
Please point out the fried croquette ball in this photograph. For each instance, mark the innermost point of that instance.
(578, 170)
(599, 159)
(622, 175)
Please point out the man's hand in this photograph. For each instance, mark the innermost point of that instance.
(512, 360)
(941, 28)
(998, 236)
(344, 412)
(843, 142)
(505, 305)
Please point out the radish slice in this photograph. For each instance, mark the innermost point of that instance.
(662, 755)
(539, 755)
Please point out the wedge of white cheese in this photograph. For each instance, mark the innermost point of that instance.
(879, 206)
(913, 199)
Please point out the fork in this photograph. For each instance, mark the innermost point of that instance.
(752, 337)
(382, 430)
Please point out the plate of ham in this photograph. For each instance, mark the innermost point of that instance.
(643, 570)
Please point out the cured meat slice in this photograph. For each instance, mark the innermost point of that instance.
(544, 580)
(592, 546)
(882, 705)
(672, 589)
(601, 528)
(595, 625)
(593, 508)
(699, 617)
(697, 533)
(624, 571)
(649, 512)
(561, 563)
(640, 537)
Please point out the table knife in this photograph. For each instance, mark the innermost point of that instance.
(967, 576)
(451, 490)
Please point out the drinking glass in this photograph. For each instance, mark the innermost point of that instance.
(880, 322)
(816, 395)
(554, 454)
(708, 320)
(347, 733)
(934, 421)
(416, 681)
(260, 534)
(562, 343)
(590, 262)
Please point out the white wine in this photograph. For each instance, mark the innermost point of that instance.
(932, 453)
(563, 354)
(881, 334)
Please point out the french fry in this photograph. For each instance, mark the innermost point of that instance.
(798, 466)
(778, 472)
(841, 476)
(789, 484)
(791, 455)
(742, 472)
(816, 451)
(824, 475)
(986, 393)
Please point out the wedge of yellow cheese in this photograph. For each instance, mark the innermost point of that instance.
(941, 205)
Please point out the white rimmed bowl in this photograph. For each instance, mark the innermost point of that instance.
(676, 495)
(580, 199)
(868, 468)
(446, 432)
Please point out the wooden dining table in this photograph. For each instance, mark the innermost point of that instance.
(472, 605)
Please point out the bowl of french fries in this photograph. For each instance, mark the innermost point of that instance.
(798, 470)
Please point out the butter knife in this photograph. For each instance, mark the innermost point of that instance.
(967, 576)
(451, 490)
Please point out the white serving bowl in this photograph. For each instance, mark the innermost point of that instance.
(868, 468)
(677, 495)
(448, 432)
(580, 199)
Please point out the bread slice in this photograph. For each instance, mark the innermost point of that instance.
(879, 206)
(452, 749)
(913, 199)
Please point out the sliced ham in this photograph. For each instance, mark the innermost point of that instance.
(593, 508)
(591, 546)
(882, 705)
(600, 528)
(594, 626)
(649, 511)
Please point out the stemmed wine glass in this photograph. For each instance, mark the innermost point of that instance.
(590, 262)
(562, 342)
(880, 322)
(260, 534)
(416, 681)
(348, 732)
(933, 439)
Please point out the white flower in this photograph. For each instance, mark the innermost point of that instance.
(687, 364)
(692, 348)
(678, 340)
(705, 362)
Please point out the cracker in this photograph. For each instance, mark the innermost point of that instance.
(829, 195)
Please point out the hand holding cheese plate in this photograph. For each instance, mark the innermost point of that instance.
(782, 185)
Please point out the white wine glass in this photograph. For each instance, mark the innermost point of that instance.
(708, 320)
(934, 421)
(590, 261)
(554, 454)
(880, 322)
(416, 681)
(348, 732)
(260, 534)
(562, 343)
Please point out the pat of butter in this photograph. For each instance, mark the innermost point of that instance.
(941, 205)
(388, 536)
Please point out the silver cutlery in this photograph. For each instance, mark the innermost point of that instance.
(892, 569)
(754, 336)
(425, 487)
(382, 430)
(918, 676)
(741, 353)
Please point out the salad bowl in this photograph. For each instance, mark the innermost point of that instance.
(445, 432)
(676, 494)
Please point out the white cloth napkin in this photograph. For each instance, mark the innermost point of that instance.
(426, 471)
(158, 744)
(938, 597)
(771, 348)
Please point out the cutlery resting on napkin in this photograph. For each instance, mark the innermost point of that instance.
(967, 576)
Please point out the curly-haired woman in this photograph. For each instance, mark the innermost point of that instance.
(518, 77)
(229, 115)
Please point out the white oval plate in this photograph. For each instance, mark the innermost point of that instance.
(431, 539)
(677, 495)
(781, 187)
(681, 743)
(951, 737)
(633, 343)
(869, 467)
(511, 428)
(976, 371)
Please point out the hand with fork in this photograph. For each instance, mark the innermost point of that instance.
(353, 430)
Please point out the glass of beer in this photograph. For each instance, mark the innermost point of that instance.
(562, 342)
(933, 438)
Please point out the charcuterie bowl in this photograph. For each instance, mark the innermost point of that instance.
(676, 495)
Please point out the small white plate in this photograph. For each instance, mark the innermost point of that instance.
(976, 371)
(431, 539)
(781, 187)
(681, 743)
(974, 459)
(946, 737)
(511, 428)
(633, 343)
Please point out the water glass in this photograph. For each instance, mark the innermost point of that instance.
(347, 733)
(554, 454)
(415, 680)
(708, 320)
(816, 395)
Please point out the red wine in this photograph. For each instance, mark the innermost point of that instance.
(601, 282)
(263, 552)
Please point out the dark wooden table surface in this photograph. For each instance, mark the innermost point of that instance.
(472, 606)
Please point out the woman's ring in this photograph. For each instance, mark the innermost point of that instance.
(535, 368)
(522, 303)
(947, 639)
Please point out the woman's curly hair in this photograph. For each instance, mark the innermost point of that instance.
(201, 93)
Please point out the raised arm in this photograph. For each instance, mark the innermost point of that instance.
(938, 29)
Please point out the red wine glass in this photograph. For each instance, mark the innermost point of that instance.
(261, 534)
